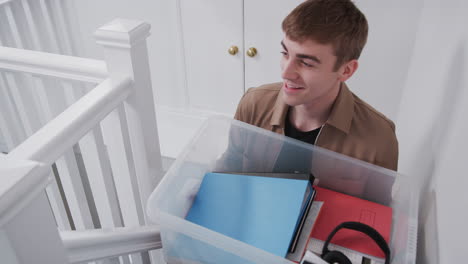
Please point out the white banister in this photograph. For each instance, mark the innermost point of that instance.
(11, 132)
(63, 30)
(91, 146)
(132, 129)
(26, 220)
(22, 30)
(34, 32)
(125, 50)
(122, 103)
(19, 185)
(14, 133)
(67, 167)
(51, 141)
(89, 245)
(62, 66)
(4, 2)
(27, 28)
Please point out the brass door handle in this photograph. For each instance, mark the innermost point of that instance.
(251, 52)
(233, 50)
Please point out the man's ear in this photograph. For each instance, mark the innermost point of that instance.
(348, 69)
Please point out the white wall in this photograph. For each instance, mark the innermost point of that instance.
(385, 60)
(162, 44)
(433, 127)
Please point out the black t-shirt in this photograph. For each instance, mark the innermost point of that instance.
(292, 159)
(309, 136)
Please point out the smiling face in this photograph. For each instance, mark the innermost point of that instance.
(309, 75)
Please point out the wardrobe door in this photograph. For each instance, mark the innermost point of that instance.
(213, 47)
(262, 31)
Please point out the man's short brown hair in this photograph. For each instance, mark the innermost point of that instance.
(338, 22)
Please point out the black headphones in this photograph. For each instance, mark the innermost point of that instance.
(338, 257)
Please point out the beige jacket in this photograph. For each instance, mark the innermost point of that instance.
(354, 128)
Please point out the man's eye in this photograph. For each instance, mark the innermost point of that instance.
(307, 64)
(284, 53)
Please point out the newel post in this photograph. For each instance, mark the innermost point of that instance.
(126, 54)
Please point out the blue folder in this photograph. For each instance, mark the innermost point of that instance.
(261, 211)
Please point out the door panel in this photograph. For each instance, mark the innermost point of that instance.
(263, 31)
(214, 77)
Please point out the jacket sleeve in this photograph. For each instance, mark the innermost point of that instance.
(244, 108)
(388, 157)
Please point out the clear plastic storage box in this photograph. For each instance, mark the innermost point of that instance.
(223, 144)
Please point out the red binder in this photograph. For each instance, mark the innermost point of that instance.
(338, 208)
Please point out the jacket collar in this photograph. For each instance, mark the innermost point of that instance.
(340, 117)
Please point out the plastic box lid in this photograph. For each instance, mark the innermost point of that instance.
(226, 145)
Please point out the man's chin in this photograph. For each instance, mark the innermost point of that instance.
(291, 101)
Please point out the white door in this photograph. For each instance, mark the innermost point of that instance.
(262, 30)
(214, 77)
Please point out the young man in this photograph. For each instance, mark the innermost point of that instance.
(322, 42)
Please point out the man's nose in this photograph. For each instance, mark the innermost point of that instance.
(288, 70)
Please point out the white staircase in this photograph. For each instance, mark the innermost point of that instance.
(82, 140)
